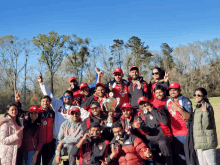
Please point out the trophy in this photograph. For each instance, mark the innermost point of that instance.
(110, 104)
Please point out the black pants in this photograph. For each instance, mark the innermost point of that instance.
(164, 144)
(46, 153)
(19, 158)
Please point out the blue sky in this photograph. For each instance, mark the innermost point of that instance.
(155, 22)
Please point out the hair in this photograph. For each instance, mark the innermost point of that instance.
(116, 125)
(160, 71)
(204, 92)
(95, 103)
(69, 92)
(46, 97)
(94, 124)
(33, 127)
(159, 87)
(7, 114)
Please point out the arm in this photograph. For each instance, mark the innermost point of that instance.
(207, 115)
(160, 115)
(97, 80)
(40, 139)
(140, 148)
(5, 138)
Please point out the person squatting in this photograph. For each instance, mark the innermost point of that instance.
(122, 122)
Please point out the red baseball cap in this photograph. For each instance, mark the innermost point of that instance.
(174, 85)
(134, 68)
(118, 70)
(83, 85)
(71, 78)
(142, 98)
(75, 109)
(34, 109)
(99, 84)
(126, 105)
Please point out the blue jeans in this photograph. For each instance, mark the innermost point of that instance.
(27, 157)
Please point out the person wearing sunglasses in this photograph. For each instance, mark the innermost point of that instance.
(70, 133)
(204, 129)
(33, 136)
(179, 110)
(137, 87)
(132, 124)
(159, 132)
(160, 77)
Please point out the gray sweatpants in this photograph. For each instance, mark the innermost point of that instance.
(207, 157)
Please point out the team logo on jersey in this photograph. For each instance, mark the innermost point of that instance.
(100, 147)
(60, 109)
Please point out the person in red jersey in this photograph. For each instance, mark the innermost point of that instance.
(160, 99)
(137, 87)
(119, 88)
(127, 149)
(159, 133)
(179, 109)
(160, 77)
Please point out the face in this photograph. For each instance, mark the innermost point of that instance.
(45, 103)
(73, 82)
(118, 77)
(127, 112)
(13, 111)
(159, 94)
(118, 132)
(33, 115)
(85, 91)
(100, 91)
(142, 105)
(155, 74)
(94, 132)
(75, 116)
(67, 99)
(174, 93)
(134, 74)
(198, 96)
(95, 110)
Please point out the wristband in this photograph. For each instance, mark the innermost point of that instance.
(57, 153)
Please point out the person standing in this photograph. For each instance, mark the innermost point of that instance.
(33, 137)
(179, 110)
(204, 129)
(11, 134)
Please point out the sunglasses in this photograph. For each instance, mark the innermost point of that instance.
(119, 74)
(197, 95)
(67, 96)
(74, 113)
(155, 73)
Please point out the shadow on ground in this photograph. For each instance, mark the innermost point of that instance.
(218, 156)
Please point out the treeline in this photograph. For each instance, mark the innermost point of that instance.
(193, 65)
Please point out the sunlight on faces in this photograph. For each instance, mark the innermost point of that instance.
(118, 132)
(127, 112)
(73, 82)
(118, 76)
(33, 115)
(13, 111)
(199, 97)
(100, 91)
(95, 132)
(155, 74)
(134, 74)
(67, 99)
(159, 94)
(75, 116)
(95, 110)
(174, 92)
(85, 91)
(45, 103)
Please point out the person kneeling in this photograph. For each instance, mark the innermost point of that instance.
(70, 133)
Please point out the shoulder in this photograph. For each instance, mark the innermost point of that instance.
(185, 100)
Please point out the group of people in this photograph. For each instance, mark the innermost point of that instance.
(152, 123)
